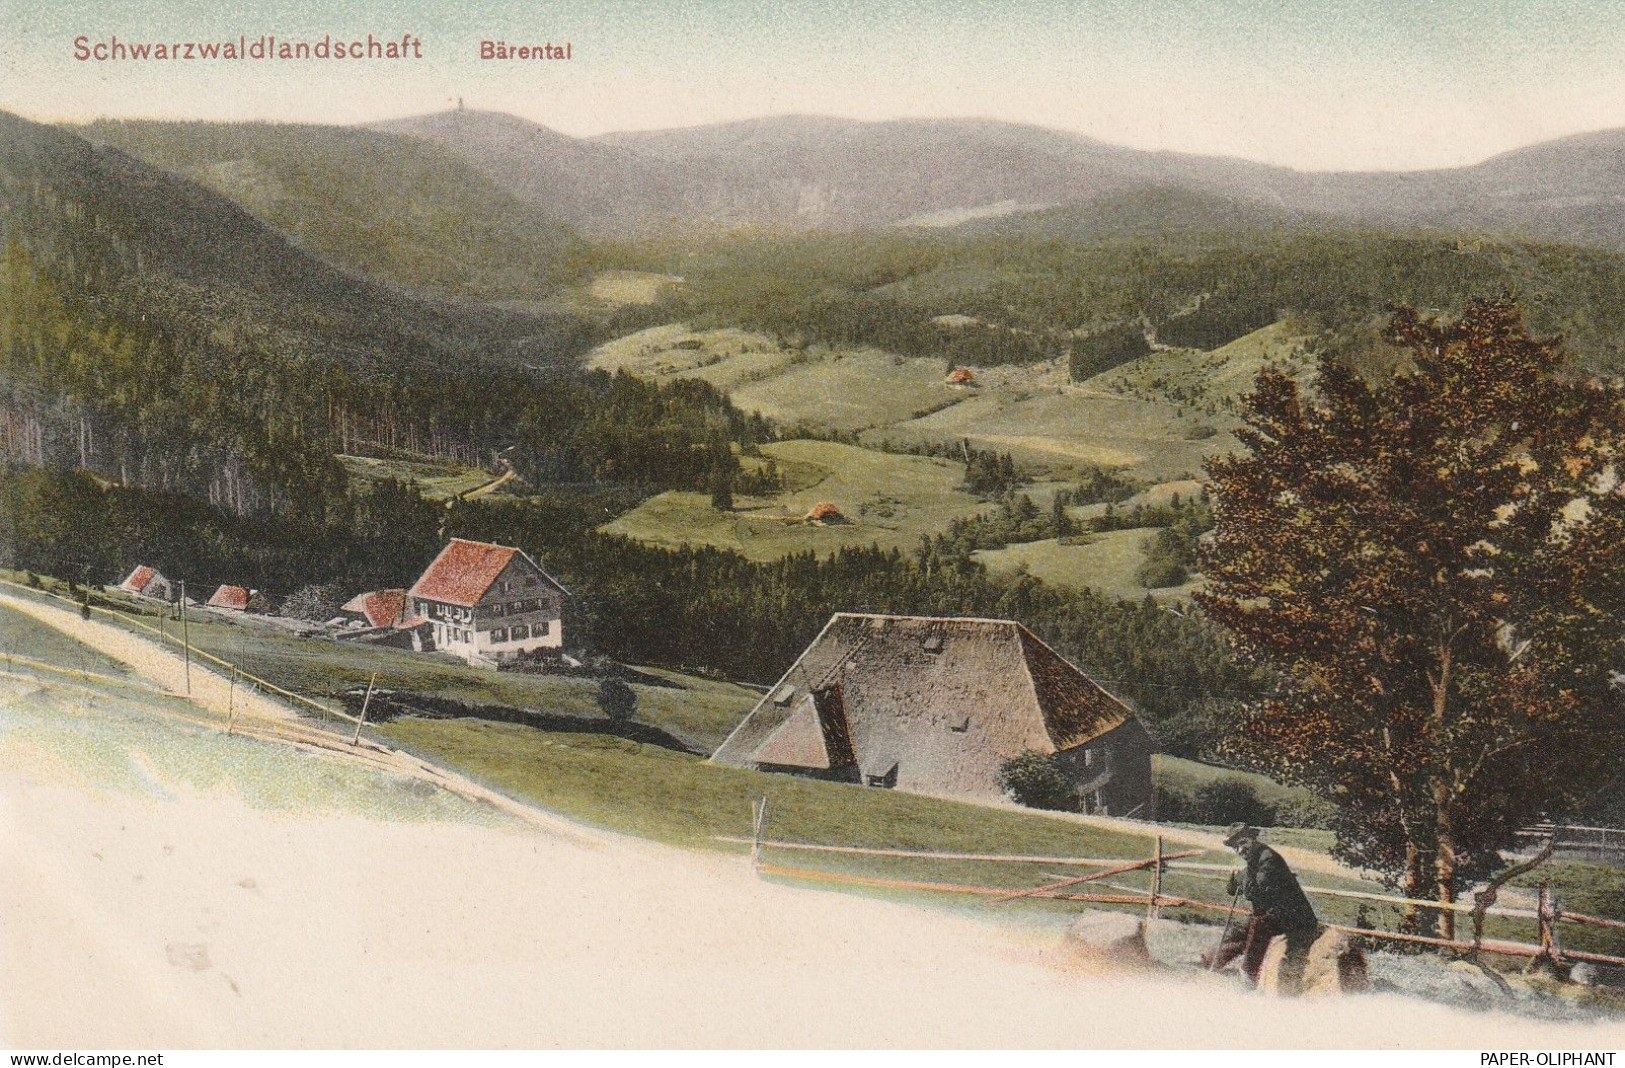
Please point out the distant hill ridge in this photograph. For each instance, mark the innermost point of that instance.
(804, 171)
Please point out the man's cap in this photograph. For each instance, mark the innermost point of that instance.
(1238, 833)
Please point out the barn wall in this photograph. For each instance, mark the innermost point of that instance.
(1113, 772)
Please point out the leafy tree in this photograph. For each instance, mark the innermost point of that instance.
(1159, 570)
(617, 700)
(1228, 800)
(318, 601)
(1431, 563)
(1035, 779)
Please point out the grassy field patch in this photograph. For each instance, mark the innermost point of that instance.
(436, 479)
(1150, 438)
(888, 499)
(1107, 563)
(1206, 381)
(726, 358)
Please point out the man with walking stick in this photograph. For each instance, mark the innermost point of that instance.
(1279, 907)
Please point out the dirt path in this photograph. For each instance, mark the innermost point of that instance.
(248, 711)
(177, 915)
(159, 665)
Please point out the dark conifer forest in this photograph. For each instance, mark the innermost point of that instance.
(178, 381)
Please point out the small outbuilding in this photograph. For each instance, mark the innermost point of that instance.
(146, 581)
(825, 512)
(380, 617)
(238, 599)
(937, 706)
(376, 608)
(961, 376)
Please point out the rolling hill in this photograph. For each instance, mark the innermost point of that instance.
(800, 172)
(396, 209)
(597, 187)
(160, 335)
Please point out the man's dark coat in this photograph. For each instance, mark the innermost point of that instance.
(1273, 891)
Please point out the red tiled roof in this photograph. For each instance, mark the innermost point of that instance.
(234, 597)
(463, 572)
(382, 608)
(138, 579)
(961, 376)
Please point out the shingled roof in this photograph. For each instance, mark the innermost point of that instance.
(381, 608)
(139, 579)
(465, 570)
(235, 598)
(944, 702)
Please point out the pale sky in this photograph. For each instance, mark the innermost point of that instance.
(1314, 84)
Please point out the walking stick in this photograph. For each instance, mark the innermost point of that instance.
(1229, 918)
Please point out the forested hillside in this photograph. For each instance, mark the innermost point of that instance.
(157, 335)
(1045, 286)
(393, 208)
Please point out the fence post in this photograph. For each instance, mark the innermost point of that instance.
(759, 822)
(1550, 956)
(186, 639)
(365, 701)
(1153, 909)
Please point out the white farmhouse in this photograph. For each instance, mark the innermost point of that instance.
(489, 602)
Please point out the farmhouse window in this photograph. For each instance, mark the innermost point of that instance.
(519, 633)
(539, 629)
(500, 634)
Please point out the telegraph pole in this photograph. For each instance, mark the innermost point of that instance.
(186, 639)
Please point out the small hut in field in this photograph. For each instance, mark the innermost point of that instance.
(825, 512)
(961, 376)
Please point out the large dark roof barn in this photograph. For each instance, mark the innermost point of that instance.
(937, 706)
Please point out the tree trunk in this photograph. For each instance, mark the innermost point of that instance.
(1412, 921)
(1444, 863)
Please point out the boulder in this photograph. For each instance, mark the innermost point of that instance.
(1473, 986)
(1114, 938)
(1276, 978)
(1185, 945)
(1335, 965)
(1585, 974)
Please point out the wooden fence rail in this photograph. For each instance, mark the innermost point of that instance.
(1547, 916)
(133, 619)
(1200, 870)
